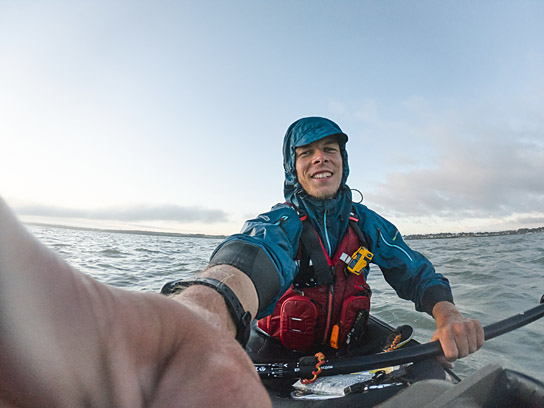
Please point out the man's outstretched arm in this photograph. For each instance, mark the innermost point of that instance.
(68, 340)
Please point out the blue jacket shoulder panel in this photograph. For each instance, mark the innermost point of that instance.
(410, 273)
(281, 226)
(277, 232)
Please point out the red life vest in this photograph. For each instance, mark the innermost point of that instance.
(335, 313)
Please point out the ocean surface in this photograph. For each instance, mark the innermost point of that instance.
(492, 278)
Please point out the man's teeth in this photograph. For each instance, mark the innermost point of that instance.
(322, 175)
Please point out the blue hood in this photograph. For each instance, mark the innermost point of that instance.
(305, 131)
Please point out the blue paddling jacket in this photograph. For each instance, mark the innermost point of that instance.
(267, 245)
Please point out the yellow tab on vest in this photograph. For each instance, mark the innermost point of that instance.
(359, 260)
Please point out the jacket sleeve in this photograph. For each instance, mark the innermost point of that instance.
(265, 251)
(410, 273)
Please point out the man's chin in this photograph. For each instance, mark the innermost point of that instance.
(322, 196)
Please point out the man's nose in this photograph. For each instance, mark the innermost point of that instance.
(319, 157)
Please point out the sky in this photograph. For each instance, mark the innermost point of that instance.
(170, 115)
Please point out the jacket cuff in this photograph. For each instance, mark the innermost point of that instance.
(255, 263)
(435, 294)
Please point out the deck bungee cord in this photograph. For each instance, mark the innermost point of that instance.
(305, 366)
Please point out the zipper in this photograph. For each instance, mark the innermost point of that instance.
(326, 231)
(378, 233)
(330, 304)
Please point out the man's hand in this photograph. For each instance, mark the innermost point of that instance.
(458, 335)
(207, 367)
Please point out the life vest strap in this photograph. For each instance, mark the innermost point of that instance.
(323, 272)
(354, 224)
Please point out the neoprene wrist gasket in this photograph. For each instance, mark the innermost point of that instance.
(241, 318)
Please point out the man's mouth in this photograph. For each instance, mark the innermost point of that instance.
(322, 175)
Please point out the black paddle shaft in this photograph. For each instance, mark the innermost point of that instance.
(396, 357)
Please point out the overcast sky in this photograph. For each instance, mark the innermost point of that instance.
(170, 115)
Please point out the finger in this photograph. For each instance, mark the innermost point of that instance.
(449, 346)
(480, 334)
(462, 340)
(472, 335)
(475, 335)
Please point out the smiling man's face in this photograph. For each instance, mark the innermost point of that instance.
(319, 167)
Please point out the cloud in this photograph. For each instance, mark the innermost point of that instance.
(488, 163)
(528, 219)
(191, 214)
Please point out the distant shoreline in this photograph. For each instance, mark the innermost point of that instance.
(136, 232)
(444, 235)
(441, 235)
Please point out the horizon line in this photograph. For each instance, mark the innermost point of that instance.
(436, 235)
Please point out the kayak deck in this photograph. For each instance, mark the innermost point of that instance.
(263, 349)
(491, 386)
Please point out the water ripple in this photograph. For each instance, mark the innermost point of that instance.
(492, 278)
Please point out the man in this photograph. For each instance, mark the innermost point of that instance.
(67, 340)
(298, 255)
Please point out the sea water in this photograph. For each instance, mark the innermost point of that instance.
(492, 278)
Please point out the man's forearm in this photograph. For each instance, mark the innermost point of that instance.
(212, 303)
(443, 311)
